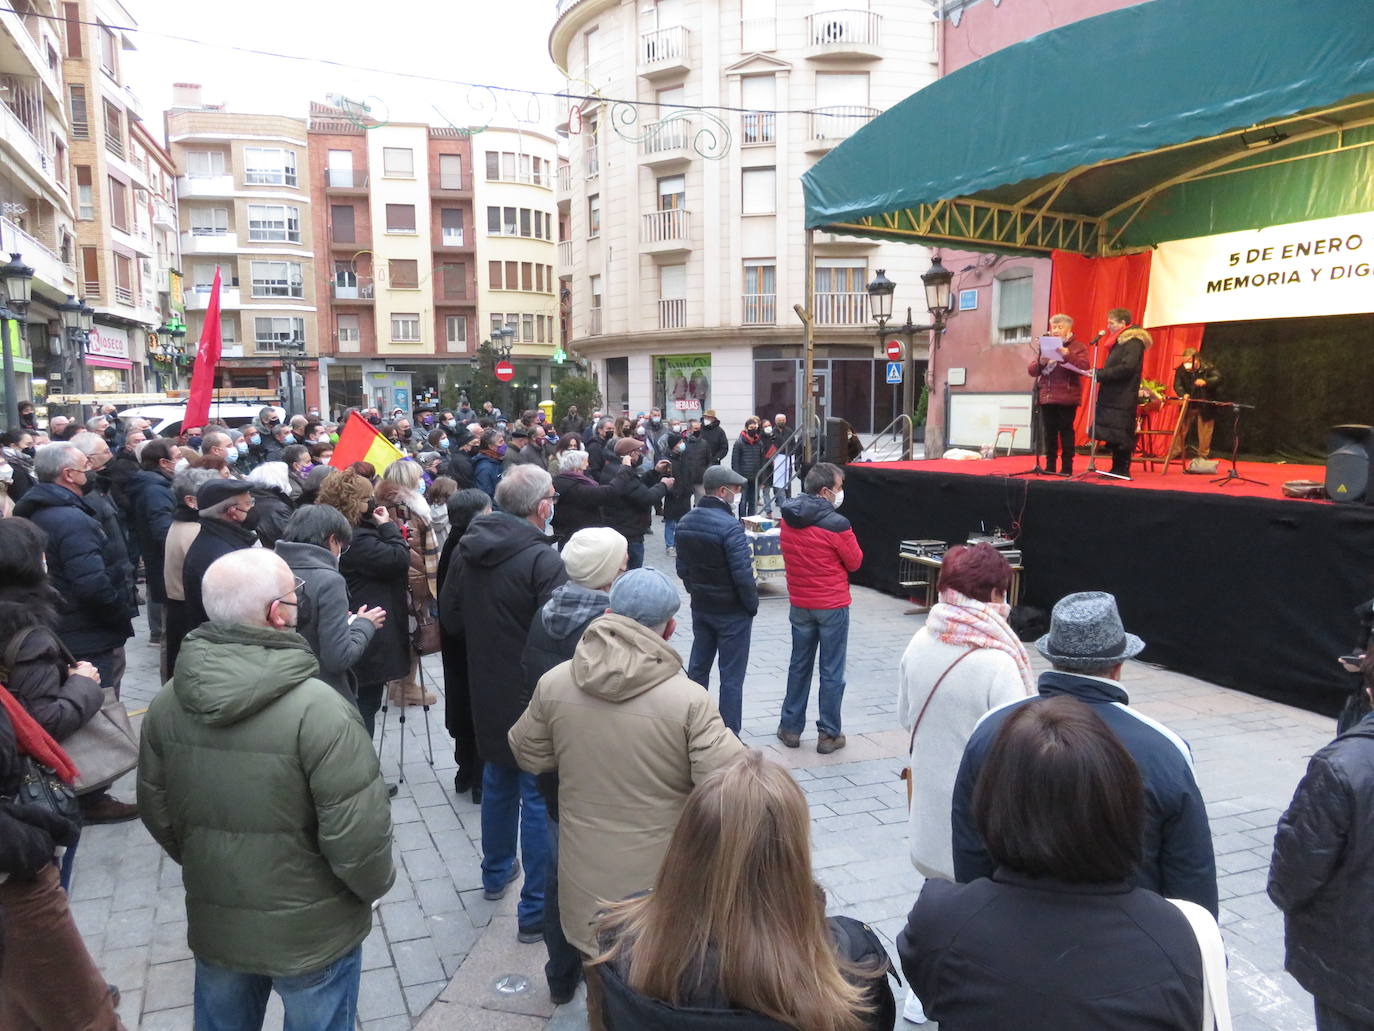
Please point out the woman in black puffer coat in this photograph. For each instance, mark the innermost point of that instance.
(747, 460)
(376, 568)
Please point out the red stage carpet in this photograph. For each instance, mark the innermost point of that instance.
(1272, 474)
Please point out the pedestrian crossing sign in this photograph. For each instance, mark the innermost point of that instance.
(894, 372)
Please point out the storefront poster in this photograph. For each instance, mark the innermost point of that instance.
(1321, 267)
(108, 342)
(683, 383)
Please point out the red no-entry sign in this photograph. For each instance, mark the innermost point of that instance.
(894, 350)
(505, 371)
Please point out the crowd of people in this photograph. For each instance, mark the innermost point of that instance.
(655, 853)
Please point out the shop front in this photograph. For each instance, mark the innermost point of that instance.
(108, 365)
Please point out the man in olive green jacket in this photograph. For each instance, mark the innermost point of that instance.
(259, 779)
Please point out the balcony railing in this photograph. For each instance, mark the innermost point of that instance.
(672, 313)
(842, 309)
(840, 122)
(665, 137)
(359, 292)
(843, 28)
(345, 179)
(565, 258)
(124, 295)
(565, 179)
(760, 309)
(671, 226)
(758, 127)
(593, 322)
(663, 46)
(451, 237)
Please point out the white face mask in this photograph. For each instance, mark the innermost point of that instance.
(838, 499)
(6, 473)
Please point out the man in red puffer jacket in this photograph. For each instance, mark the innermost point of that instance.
(820, 551)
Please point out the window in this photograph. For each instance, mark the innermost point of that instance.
(398, 163)
(270, 333)
(90, 270)
(841, 89)
(274, 223)
(124, 278)
(1012, 300)
(277, 279)
(269, 166)
(109, 48)
(508, 166)
(760, 292)
(539, 278)
(59, 160)
(539, 224)
(405, 328)
(672, 193)
(119, 204)
(840, 275)
(526, 275)
(760, 93)
(512, 275)
(209, 221)
(203, 278)
(508, 221)
(493, 221)
(451, 224)
(76, 106)
(228, 330)
(594, 215)
(114, 129)
(456, 332)
(494, 274)
(453, 280)
(400, 218)
(527, 328)
(759, 191)
(841, 297)
(493, 165)
(342, 223)
(591, 148)
(348, 332)
(404, 273)
(202, 164)
(526, 169)
(72, 14)
(594, 288)
(85, 193)
(526, 228)
(341, 173)
(498, 323)
(672, 296)
(450, 172)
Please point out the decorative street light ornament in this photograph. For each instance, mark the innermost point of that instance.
(936, 282)
(18, 280)
(71, 313)
(880, 293)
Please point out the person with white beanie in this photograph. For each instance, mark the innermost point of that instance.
(594, 558)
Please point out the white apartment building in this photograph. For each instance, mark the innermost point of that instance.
(685, 244)
(517, 284)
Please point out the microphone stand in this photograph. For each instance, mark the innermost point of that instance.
(1037, 430)
(1092, 469)
(1231, 474)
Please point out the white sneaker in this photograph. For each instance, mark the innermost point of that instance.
(913, 1010)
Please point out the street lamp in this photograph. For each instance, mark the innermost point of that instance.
(72, 343)
(937, 283)
(17, 279)
(880, 293)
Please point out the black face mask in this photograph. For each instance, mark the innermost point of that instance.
(30, 451)
(376, 420)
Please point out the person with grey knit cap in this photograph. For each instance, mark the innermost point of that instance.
(1089, 646)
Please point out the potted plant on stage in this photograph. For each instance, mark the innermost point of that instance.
(1151, 397)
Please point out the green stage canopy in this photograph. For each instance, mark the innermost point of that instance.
(1159, 121)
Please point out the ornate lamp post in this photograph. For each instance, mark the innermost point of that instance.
(17, 279)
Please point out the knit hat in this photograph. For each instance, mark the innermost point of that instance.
(1086, 633)
(594, 556)
(646, 596)
(212, 492)
(628, 446)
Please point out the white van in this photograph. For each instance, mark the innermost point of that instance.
(166, 419)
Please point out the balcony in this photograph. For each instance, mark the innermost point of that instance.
(450, 184)
(565, 258)
(47, 265)
(209, 242)
(672, 313)
(198, 298)
(133, 103)
(16, 135)
(667, 141)
(564, 182)
(663, 232)
(760, 310)
(831, 125)
(360, 293)
(841, 309)
(757, 128)
(843, 33)
(164, 215)
(663, 52)
(593, 322)
(211, 186)
(340, 182)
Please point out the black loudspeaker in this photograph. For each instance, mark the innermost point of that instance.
(1350, 463)
(836, 441)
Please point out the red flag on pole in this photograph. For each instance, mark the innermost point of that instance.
(207, 357)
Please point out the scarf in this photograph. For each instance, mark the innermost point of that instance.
(36, 742)
(959, 620)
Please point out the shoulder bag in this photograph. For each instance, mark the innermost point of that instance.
(1216, 1002)
(906, 770)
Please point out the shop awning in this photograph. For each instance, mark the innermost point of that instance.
(1164, 120)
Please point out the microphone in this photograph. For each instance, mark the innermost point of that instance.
(1100, 334)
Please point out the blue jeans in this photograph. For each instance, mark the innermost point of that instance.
(511, 802)
(636, 552)
(727, 635)
(321, 1000)
(669, 533)
(830, 629)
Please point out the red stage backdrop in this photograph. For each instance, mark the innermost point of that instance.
(1087, 288)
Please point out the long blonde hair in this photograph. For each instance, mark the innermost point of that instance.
(735, 900)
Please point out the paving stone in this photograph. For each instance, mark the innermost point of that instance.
(402, 921)
(170, 985)
(416, 962)
(379, 995)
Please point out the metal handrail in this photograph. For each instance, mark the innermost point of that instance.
(791, 448)
(907, 438)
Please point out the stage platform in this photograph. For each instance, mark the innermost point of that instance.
(1237, 585)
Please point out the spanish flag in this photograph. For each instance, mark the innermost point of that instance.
(359, 441)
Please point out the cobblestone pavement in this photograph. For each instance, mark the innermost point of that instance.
(434, 927)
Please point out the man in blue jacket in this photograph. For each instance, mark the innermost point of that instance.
(716, 564)
(1088, 646)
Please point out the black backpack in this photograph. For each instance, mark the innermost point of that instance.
(858, 943)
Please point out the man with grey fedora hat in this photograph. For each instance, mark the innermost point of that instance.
(1088, 644)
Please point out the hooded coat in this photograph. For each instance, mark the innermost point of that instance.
(819, 551)
(259, 780)
(89, 568)
(1118, 387)
(501, 573)
(630, 736)
(336, 638)
(151, 506)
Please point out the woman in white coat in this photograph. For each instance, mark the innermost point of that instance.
(963, 662)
